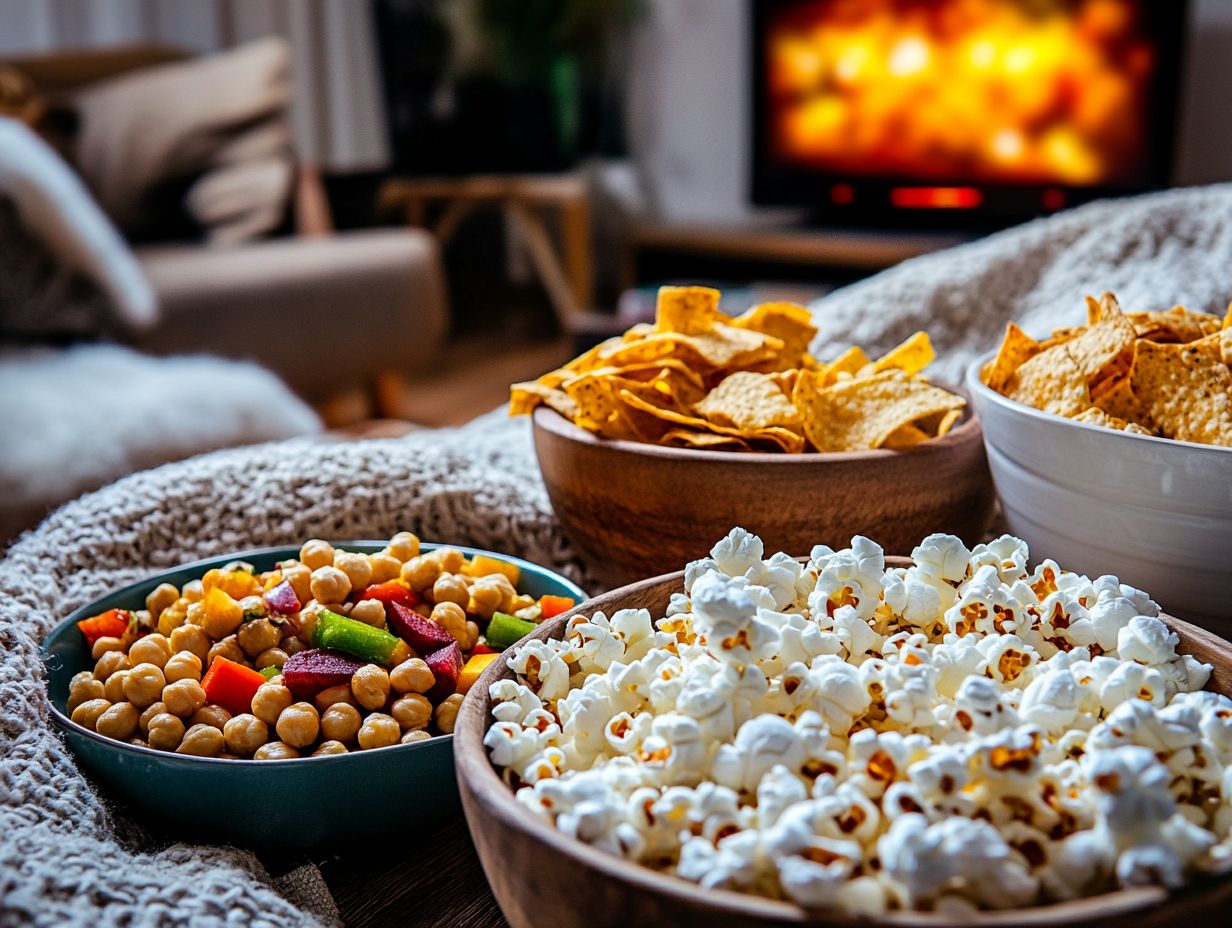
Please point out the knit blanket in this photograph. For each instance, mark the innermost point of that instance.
(67, 858)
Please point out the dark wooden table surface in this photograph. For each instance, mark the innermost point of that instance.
(420, 880)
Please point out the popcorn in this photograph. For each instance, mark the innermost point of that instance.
(960, 734)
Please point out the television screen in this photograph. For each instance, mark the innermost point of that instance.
(1009, 107)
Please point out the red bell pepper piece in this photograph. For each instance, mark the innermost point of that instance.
(388, 593)
(481, 647)
(231, 685)
(110, 624)
(554, 605)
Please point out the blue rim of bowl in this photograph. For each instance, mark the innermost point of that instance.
(68, 724)
(975, 386)
(967, 425)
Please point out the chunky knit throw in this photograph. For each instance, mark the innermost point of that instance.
(67, 859)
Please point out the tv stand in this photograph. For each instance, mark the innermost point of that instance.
(842, 250)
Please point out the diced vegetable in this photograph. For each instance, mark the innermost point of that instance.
(421, 634)
(231, 685)
(481, 565)
(306, 673)
(505, 629)
(550, 606)
(445, 665)
(110, 624)
(472, 669)
(338, 633)
(388, 593)
(236, 583)
(270, 672)
(281, 599)
(481, 647)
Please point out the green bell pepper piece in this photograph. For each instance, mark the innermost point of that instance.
(270, 672)
(338, 633)
(505, 629)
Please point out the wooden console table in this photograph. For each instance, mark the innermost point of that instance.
(566, 275)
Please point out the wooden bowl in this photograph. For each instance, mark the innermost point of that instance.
(630, 508)
(543, 877)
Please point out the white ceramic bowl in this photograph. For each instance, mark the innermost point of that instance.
(1155, 512)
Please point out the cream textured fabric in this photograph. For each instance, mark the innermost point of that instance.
(1153, 252)
(66, 859)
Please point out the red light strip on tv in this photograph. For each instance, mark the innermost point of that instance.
(936, 197)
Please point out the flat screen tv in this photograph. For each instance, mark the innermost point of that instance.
(961, 112)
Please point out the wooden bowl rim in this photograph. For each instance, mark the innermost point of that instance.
(967, 431)
(975, 385)
(477, 776)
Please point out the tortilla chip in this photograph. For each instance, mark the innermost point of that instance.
(688, 310)
(1103, 344)
(905, 436)
(849, 362)
(912, 355)
(1051, 381)
(1116, 398)
(723, 346)
(788, 322)
(1186, 390)
(862, 413)
(524, 397)
(1017, 347)
(784, 438)
(748, 402)
(1225, 346)
(684, 438)
(1177, 325)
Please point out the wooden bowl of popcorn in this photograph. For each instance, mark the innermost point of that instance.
(573, 873)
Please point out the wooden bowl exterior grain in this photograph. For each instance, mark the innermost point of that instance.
(629, 507)
(542, 877)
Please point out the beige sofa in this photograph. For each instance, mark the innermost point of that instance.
(331, 313)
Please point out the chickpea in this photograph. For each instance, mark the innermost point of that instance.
(190, 638)
(276, 679)
(413, 676)
(299, 576)
(193, 591)
(340, 722)
(161, 597)
(201, 741)
(152, 649)
(446, 714)
(257, 636)
(330, 747)
(82, 688)
(105, 645)
(113, 689)
(294, 644)
(271, 657)
(508, 593)
(173, 617)
(420, 572)
(210, 714)
(229, 648)
(299, 724)
(269, 701)
(378, 731)
(184, 697)
(139, 742)
(183, 665)
(370, 684)
(412, 711)
(148, 713)
(403, 546)
(109, 663)
(275, 750)
(143, 685)
(384, 567)
(356, 567)
(119, 722)
(329, 585)
(245, 733)
(370, 612)
(518, 602)
(316, 553)
(411, 737)
(332, 695)
(472, 635)
(451, 559)
(87, 714)
(452, 618)
(451, 588)
(165, 732)
(486, 597)
(195, 614)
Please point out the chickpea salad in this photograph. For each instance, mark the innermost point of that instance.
(330, 652)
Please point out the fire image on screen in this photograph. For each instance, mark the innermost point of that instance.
(1049, 91)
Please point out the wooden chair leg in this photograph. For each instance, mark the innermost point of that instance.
(389, 391)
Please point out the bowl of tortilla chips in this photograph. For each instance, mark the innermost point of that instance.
(1111, 445)
(701, 421)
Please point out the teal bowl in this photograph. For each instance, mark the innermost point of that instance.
(287, 804)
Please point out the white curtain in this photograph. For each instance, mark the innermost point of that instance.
(338, 111)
